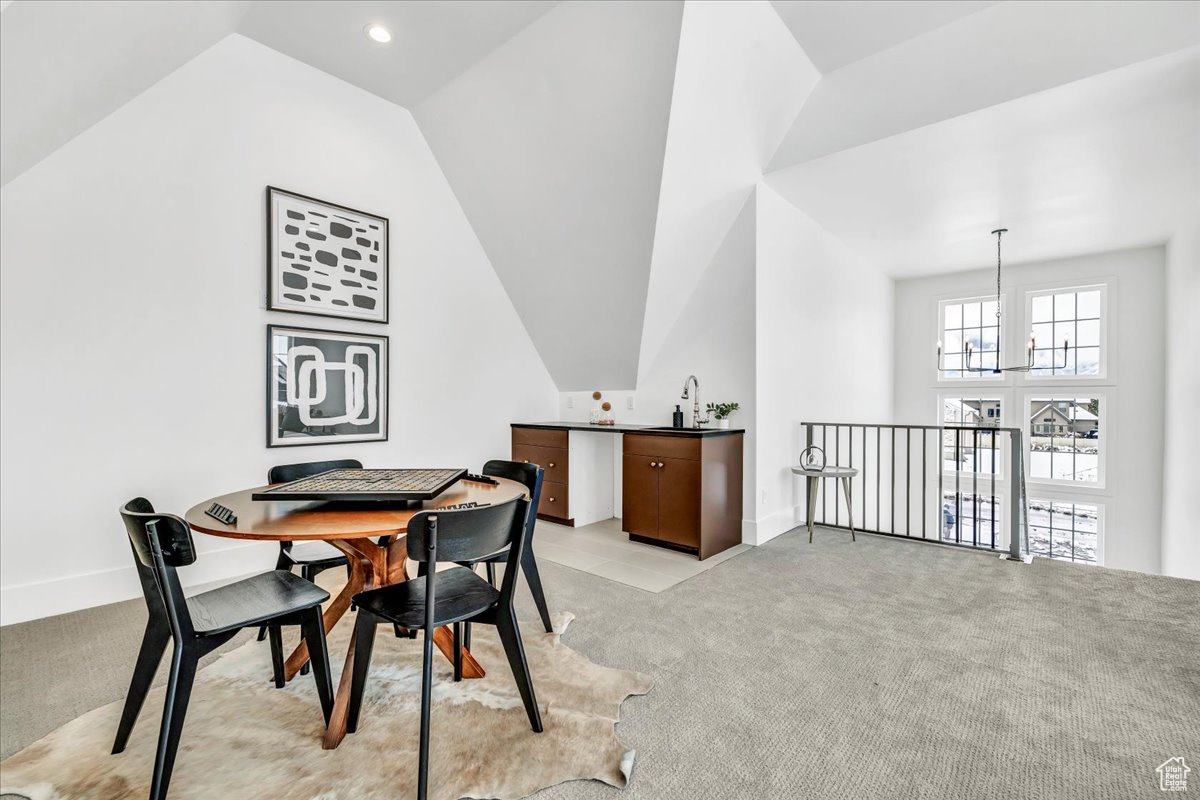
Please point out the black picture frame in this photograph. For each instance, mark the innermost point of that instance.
(291, 425)
(352, 283)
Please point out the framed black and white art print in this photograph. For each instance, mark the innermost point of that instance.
(325, 259)
(325, 387)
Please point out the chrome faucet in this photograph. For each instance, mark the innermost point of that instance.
(696, 420)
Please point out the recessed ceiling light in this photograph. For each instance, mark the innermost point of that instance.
(379, 33)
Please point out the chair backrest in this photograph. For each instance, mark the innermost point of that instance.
(467, 534)
(285, 473)
(160, 543)
(530, 475)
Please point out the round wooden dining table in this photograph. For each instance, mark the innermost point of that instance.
(357, 529)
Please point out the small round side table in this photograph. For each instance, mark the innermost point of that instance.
(831, 471)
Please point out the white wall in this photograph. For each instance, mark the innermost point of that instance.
(740, 80)
(553, 143)
(133, 327)
(1133, 386)
(1180, 525)
(823, 327)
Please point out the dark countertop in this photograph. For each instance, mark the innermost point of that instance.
(650, 429)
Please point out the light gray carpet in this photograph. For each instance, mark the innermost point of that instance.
(875, 669)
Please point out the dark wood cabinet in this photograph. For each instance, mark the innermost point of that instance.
(683, 492)
(548, 449)
(639, 495)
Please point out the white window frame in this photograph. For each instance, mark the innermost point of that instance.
(1104, 374)
(1103, 444)
(1101, 512)
(977, 377)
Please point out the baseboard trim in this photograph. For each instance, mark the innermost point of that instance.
(48, 598)
(762, 530)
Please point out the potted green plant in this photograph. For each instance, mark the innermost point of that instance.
(721, 412)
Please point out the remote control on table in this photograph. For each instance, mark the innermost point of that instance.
(222, 514)
(480, 479)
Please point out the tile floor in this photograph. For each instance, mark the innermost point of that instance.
(603, 549)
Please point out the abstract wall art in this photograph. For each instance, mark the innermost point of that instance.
(325, 387)
(325, 259)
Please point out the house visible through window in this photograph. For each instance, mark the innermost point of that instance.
(1064, 439)
(968, 450)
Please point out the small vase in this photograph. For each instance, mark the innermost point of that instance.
(723, 423)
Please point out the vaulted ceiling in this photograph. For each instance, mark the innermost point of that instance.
(603, 150)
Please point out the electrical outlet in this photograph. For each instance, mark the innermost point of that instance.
(570, 401)
(629, 402)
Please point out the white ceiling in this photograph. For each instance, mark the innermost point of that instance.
(1003, 52)
(836, 32)
(1100, 164)
(435, 40)
(64, 65)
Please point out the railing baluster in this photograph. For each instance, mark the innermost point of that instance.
(824, 494)
(992, 507)
(924, 481)
(837, 450)
(878, 476)
(892, 475)
(908, 481)
(975, 488)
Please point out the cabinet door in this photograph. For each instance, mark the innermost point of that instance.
(679, 501)
(639, 496)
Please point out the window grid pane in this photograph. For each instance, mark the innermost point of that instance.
(1064, 439)
(1073, 317)
(974, 323)
(1065, 531)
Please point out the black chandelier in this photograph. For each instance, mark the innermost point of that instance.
(1029, 351)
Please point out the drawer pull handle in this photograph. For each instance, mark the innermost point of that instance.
(551, 465)
(661, 465)
(551, 499)
(653, 464)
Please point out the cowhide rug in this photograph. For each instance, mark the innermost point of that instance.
(243, 738)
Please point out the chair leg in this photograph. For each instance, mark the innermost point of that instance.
(276, 655)
(309, 574)
(491, 573)
(458, 648)
(154, 644)
(179, 691)
(534, 578)
(318, 652)
(426, 701)
(364, 643)
(510, 637)
(467, 635)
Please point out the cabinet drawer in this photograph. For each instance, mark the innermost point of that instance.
(551, 459)
(669, 446)
(554, 500)
(539, 437)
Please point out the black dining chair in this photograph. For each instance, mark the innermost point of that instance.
(312, 558)
(530, 475)
(199, 624)
(450, 597)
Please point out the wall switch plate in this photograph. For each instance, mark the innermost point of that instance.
(570, 401)
(629, 402)
(763, 499)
